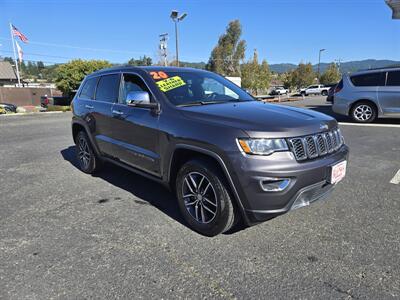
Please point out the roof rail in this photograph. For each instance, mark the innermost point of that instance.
(381, 68)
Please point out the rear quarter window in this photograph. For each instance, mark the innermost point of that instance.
(370, 79)
(89, 86)
(393, 78)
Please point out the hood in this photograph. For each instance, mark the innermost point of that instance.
(259, 119)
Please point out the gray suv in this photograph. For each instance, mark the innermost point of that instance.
(225, 155)
(367, 95)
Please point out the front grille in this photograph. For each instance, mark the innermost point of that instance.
(316, 145)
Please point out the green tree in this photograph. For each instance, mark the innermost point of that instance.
(226, 56)
(255, 76)
(70, 75)
(142, 61)
(9, 59)
(302, 76)
(331, 75)
(40, 65)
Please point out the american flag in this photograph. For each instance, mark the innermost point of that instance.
(19, 34)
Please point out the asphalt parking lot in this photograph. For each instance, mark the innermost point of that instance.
(65, 234)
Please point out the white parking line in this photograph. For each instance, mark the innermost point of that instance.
(396, 178)
(371, 125)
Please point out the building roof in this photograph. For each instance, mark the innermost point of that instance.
(7, 71)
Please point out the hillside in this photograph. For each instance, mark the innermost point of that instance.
(345, 67)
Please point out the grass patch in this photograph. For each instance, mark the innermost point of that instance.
(59, 108)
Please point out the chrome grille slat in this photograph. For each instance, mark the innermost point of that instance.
(313, 146)
(298, 148)
(321, 144)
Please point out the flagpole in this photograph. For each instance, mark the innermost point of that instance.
(15, 56)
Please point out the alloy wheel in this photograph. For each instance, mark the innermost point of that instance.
(363, 112)
(83, 153)
(199, 197)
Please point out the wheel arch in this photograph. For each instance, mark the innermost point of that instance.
(80, 126)
(365, 100)
(76, 128)
(184, 153)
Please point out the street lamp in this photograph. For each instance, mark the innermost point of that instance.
(176, 18)
(395, 6)
(319, 61)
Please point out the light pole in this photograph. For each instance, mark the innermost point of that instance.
(176, 19)
(319, 61)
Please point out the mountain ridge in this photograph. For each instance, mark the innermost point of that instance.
(345, 67)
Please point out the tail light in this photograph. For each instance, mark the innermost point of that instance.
(338, 87)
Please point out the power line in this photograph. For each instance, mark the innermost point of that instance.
(79, 48)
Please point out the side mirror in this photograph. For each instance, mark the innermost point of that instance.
(141, 99)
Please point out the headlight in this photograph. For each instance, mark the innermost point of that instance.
(262, 146)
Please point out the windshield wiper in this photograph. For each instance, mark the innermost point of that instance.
(200, 103)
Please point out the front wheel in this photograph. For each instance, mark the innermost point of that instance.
(324, 93)
(363, 112)
(204, 198)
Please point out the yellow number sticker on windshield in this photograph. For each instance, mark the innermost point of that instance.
(170, 83)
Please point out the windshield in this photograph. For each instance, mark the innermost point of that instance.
(197, 88)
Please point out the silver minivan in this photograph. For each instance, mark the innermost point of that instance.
(367, 95)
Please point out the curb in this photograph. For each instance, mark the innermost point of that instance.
(32, 113)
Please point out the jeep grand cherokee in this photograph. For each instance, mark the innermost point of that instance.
(224, 154)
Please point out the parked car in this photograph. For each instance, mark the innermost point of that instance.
(367, 95)
(317, 89)
(331, 93)
(279, 90)
(224, 154)
(8, 108)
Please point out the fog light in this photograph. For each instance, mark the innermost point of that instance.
(274, 184)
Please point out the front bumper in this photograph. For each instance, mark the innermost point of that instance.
(308, 182)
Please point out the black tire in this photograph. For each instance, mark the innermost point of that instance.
(324, 93)
(87, 159)
(207, 223)
(303, 93)
(363, 112)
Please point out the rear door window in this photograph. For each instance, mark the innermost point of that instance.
(370, 79)
(108, 88)
(393, 78)
(88, 89)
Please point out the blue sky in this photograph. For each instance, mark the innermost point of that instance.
(281, 30)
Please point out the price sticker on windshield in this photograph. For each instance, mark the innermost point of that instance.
(170, 83)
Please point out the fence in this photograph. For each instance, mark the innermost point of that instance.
(25, 95)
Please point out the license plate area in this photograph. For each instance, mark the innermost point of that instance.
(337, 172)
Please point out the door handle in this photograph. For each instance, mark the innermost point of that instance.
(89, 106)
(117, 112)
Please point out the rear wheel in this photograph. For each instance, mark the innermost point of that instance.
(204, 198)
(324, 93)
(88, 161)
(363, 112)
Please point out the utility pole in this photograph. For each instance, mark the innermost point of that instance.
(319, 62)
(163, 47)
(338, 62)
(176, 19)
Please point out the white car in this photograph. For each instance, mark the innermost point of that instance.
(317, 89)
(279, 90)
